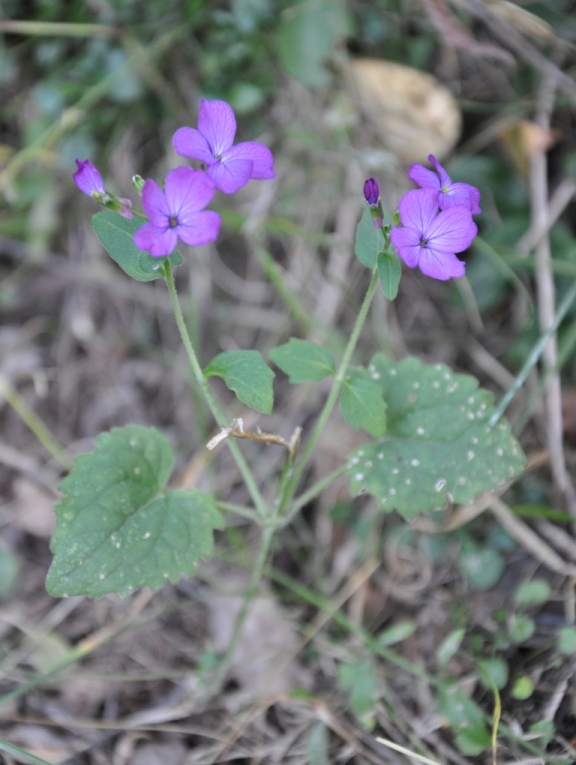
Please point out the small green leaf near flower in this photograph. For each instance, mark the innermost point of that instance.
(302, 360)
(247, 374)
(369, 241)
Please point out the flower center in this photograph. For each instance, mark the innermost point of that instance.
(445, 189)
(423, 242)
(172, 221)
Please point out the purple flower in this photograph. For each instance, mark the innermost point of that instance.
(371, 191)
(88, 179)
(449, 194)
(230, 167)
(429, 239)
(177, 212)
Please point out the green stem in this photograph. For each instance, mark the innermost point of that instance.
(314, 490)
(210, 400)
(333, 395)
(245, 512)
(534, 355)
(21, 755)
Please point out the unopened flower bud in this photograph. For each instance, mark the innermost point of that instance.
(371, 191)
(138, 183)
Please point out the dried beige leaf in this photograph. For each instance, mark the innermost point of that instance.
(412, 114)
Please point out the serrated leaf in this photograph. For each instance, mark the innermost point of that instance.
(389, 273)
(119, 529)
(302, 360)
(369, 241)
(247, 374)
(362, 404)
(438, 447)
(117, 237)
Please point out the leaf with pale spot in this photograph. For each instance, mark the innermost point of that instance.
(117, 237)
(438, 447)
(362, 404)
(247, 374)
(302, 360)
(119, 528)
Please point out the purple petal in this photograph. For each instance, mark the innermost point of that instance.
(87, 178)
(217, 123)
(258, 154)
(156, 240)
(418, 208)
(440, 265)
(444, 177)
(231, 175)
(423, 177)
(187, 191)
(154, 204)
(371, 191)
(460, 194)
(199, 228)
(188, 142)
(452, 231)
(407, 242)
(125, 208)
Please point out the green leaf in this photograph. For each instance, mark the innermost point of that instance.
(533, 593)
(306, 36)
(449, 646)
(302, 360)
(523, 688)
(495, 670)
(362, 403)
(438, 447)
(396, 633)
(248, 375)
(8, 573)
(567, 640)
(117, 236)
(119, 528)
(369, 241)
(482, 566)
(389, 273)
(359, 679)
(464, 717)
(520, 628)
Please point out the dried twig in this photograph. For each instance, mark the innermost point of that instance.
(236, 430)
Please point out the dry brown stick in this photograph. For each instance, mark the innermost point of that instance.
(546, 301)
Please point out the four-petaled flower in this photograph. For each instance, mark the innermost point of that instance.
(448, 194)
(177, 212)
(429, 239)
(230, 167)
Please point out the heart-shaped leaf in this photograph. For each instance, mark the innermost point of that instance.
(119, 528)
(438, 447)
(302, 360)
(117, 236)
(248, 375)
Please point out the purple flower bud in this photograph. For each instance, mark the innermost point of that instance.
(125, 208)
(88, 179)
(371, 191)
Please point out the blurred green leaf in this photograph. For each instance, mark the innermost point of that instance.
(567, 640)
(302, 360)
(8, 572)
(495, 670)
(464, 717)
(117, 236)
(520, 628)
(449, 646)
(482, 566)
(523, 688)
(532, 593)
(307, 33)
(247, 374)
(396, 633)
(317, 745)
(359, 679)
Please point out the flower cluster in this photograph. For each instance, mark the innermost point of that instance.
(177, 212)
(436, 222)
